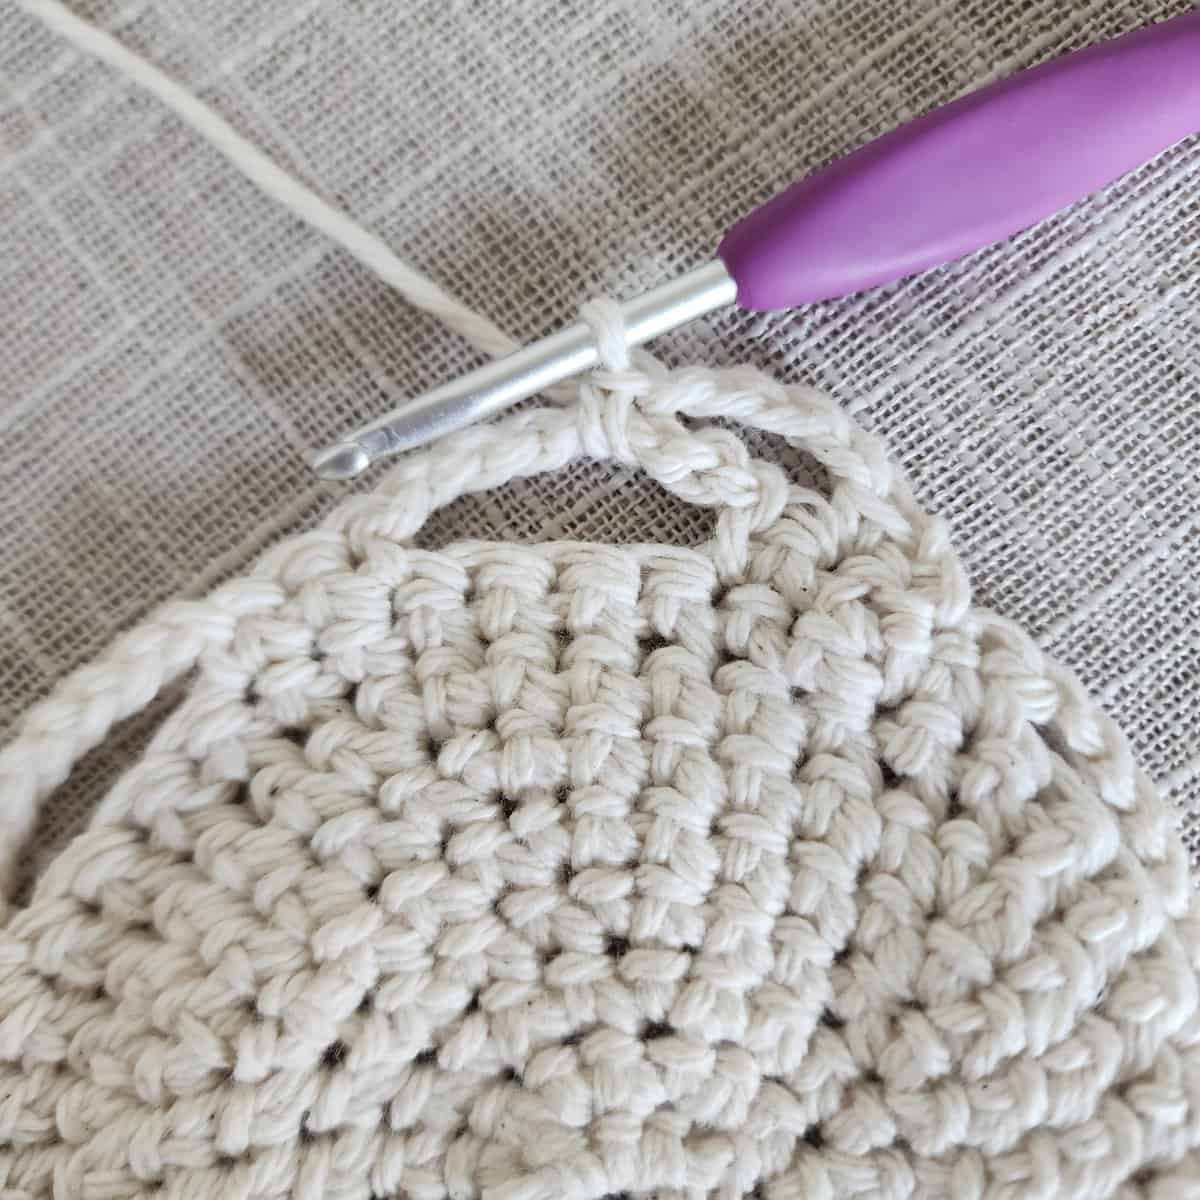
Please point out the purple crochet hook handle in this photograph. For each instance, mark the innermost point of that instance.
(956, 180)
(972, 173)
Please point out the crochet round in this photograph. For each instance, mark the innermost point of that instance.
(767, 868)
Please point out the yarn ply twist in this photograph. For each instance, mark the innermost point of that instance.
(771, 867)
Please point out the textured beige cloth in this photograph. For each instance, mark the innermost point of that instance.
(172, 344)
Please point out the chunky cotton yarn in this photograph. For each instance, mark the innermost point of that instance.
(769, 868)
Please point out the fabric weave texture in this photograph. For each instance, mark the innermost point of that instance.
(634, 798)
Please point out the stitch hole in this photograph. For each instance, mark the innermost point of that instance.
(649, 644)
(616, 946)
(333, 1054)
(655, 1030)
(832, 1020)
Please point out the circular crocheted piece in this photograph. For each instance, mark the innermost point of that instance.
(770, 868)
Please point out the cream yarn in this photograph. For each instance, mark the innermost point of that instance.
(534, 872)
(770, 868)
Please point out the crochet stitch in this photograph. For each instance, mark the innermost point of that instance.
(768, 868)
(771, 867)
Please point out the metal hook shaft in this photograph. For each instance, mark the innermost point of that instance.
(505, 382)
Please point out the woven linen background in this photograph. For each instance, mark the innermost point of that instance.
(172, 344)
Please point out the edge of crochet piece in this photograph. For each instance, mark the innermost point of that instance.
(569, 870)
(773, 868)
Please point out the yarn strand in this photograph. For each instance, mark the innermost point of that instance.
(771, 867)
(84, 707)
(302, 201)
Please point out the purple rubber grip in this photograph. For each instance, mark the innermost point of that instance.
(972, 173)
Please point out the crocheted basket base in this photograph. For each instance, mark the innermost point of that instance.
(771, 868)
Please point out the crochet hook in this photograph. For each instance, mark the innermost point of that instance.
(960, 178)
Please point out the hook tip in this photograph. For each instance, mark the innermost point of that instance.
(347, 460)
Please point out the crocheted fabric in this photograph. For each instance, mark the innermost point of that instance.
(767, 868)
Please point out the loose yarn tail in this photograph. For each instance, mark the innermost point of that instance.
(82, 709)
(302, 201)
